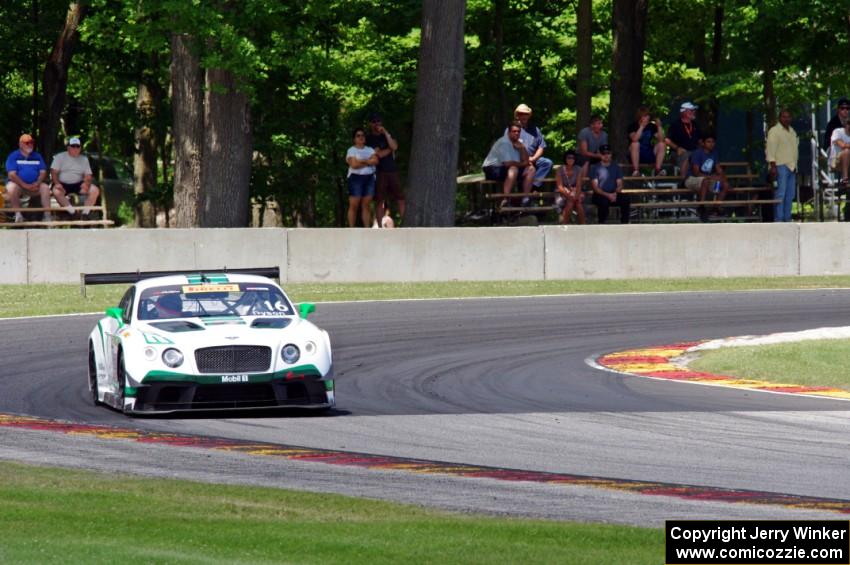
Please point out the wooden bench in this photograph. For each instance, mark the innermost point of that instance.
(653, 193)
(7, 216)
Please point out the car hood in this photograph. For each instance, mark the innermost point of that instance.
(228, 329)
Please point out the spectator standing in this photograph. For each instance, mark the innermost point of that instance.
(361, 161)
(839, 152)
(71, 174)
(590, 139)
(532, 138)
(26, 171)
(607, 181)
(646, 142)
(706, 172)
(388, 183)
(782, 156)
(683, 136)
(507, 161)
(569, 180)
(842, 113)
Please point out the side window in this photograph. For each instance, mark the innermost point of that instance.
(126, 304)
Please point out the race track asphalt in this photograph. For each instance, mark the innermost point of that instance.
(494, 382)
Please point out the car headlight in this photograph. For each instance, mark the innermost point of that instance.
(172, 357)
(309, 348)
(290, 353)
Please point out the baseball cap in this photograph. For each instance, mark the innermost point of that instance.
(26, 138)
(687, 106)
(522, 109)
(605, 148)
(74, 141)
(843, 102)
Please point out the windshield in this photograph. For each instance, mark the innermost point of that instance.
(213, 300)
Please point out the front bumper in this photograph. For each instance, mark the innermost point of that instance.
(161, 392)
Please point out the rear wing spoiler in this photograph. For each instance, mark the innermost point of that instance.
(87, 279)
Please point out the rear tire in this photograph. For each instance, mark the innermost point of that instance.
(93, 376)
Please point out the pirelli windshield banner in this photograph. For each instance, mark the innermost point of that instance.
(755, 542)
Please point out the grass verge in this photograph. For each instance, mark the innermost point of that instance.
(69, 516)
(43, 299)
(815, 362)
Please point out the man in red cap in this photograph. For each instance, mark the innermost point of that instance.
(26, 172)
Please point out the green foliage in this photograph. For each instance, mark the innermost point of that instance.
(315, 70)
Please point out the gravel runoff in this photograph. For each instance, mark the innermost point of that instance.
(465, 495)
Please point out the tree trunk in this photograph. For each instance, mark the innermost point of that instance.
(144, 160)
(584, 63)
(769, 95)
(437, 114)
(187, 102)
(499, 32)
(714, 68)
(629, 23)
(226, 171)
(56, 77)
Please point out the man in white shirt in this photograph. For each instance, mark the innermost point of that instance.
(839, 152)
(71, 173)
(782, 156)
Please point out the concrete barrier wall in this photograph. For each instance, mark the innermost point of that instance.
(427, 254)
(433, 254)
(671, 251)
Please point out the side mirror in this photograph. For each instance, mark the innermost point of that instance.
(306, 308)
(116, 313)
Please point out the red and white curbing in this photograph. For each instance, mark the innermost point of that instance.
(669, 362)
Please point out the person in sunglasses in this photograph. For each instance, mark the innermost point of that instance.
(71, 174)
(26, 171)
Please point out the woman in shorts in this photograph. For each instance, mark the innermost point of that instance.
(569, 180)
(361, 179)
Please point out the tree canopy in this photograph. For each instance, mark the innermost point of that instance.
(307, 73)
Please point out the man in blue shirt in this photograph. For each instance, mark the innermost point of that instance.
(706, 173)
(606, 178)
(532, 138)
(26, 172)
(507, 161)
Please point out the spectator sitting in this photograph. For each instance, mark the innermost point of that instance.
(839, 152)
(607, 182)
(706, 172)
(532, 138)
(26, 172)
(361, 161)
(569, 180)
(71, 174)
(683, 136)
(590, 139)
(646, 142)
(842, 113)
(507, 161)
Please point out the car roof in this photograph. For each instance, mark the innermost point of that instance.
(213, 278)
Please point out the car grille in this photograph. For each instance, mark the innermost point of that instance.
(233, 359)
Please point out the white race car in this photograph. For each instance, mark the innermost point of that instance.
(211, 340)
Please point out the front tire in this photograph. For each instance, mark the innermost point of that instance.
(121, 377)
